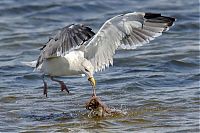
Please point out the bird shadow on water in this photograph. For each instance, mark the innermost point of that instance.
(51, 116)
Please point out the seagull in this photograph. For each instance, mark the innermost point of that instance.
(76, 49)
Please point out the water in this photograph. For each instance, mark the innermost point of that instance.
(156, 87)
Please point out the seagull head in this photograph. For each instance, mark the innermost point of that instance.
(88, 69)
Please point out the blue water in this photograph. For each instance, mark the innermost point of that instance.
(155, 86)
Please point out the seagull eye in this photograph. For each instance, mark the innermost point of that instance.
(86, 70)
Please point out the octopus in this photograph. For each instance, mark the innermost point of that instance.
(97, 108)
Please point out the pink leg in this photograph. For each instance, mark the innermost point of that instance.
(62, 84)
(45, 86)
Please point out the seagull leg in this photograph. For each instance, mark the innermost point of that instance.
(45, 86)
(62, 84)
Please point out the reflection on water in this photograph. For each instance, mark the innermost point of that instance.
(154, 88)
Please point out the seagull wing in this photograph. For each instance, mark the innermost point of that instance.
(127, 31)
(67, 39)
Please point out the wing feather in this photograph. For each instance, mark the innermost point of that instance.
(126, 31)
(68, 38)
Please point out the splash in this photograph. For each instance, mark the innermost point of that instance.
(98, 109)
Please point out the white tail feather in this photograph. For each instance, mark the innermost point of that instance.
(30, 64)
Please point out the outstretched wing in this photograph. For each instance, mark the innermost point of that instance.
(68, 38)
(127, 31)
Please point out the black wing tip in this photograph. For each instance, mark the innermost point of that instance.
(82, 26)
(149, 15)
(158, 16)
(38, 61)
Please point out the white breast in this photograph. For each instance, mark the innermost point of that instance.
(63, 66)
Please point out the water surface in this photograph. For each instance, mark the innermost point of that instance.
(155, 86)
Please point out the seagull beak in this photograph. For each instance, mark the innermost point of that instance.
(92, 81)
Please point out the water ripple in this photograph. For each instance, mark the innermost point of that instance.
(155, 87)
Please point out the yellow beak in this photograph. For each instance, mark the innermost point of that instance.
(92, 81)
